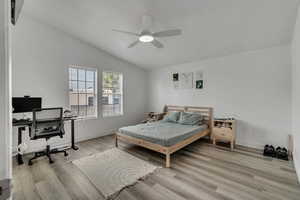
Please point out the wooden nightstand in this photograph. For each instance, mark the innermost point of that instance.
(224, 130)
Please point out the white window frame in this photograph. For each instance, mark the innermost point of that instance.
(94, 69)
(122, 94)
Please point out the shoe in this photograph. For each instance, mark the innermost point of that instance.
(266, 149)
(278, 149)
(269, 151)
(284, 149)
(273, 151)
(282, 153)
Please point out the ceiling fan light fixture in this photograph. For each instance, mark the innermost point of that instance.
(146, 38)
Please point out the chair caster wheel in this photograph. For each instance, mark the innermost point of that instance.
(30, 163)
(66, 154)
(51, 161)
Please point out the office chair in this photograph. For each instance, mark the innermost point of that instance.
(47, 123)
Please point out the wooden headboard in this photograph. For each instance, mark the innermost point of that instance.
(207, 112)
(169, 108)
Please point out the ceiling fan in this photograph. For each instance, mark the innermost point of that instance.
(146, 36)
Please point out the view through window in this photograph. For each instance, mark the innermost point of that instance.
(83, 91)
(112, 94)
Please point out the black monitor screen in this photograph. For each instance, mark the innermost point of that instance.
(26, 104)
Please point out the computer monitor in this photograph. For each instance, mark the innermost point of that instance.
(26, 104)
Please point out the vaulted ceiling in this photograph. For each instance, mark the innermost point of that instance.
(211, 28)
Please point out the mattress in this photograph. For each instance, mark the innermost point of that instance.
(162, 133)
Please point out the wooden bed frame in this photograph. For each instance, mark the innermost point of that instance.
(207, 112)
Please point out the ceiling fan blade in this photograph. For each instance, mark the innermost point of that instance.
(133, 44)
(157, 44)
(126, 32)
(168, 33)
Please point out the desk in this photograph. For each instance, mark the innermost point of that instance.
(23, 124)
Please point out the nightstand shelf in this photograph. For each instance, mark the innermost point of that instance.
(224, 130)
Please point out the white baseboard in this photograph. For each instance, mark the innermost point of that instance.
(255, 146)
(60, 145)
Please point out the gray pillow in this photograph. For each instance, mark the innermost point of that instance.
(171, 117)
(187, 118)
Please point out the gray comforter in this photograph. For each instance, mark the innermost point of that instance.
(162, 133)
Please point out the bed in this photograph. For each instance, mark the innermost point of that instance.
(167, 137)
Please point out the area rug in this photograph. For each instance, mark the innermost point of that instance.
(112, 170)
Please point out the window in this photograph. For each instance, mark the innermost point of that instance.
(83, 91)
(112, 94)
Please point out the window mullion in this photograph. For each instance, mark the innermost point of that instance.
(95, 103)
(77, 92)
(86, 106)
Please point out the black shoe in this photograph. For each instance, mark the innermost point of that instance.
(278, 149)
(269, 151)
(273, 151)
(278, 152)
(284, 149)
(266, 149)
(282, 153)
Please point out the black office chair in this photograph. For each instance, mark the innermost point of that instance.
(47, 123)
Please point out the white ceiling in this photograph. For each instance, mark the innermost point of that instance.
(210, 27)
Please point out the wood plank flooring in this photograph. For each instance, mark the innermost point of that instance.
(199, 171)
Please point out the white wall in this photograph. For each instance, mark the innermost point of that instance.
(5, 92)
(254, 87)
(41, 56)
(296, 93)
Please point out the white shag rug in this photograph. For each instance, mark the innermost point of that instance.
(112, 170)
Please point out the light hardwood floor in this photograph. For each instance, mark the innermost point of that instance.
(198, 171)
